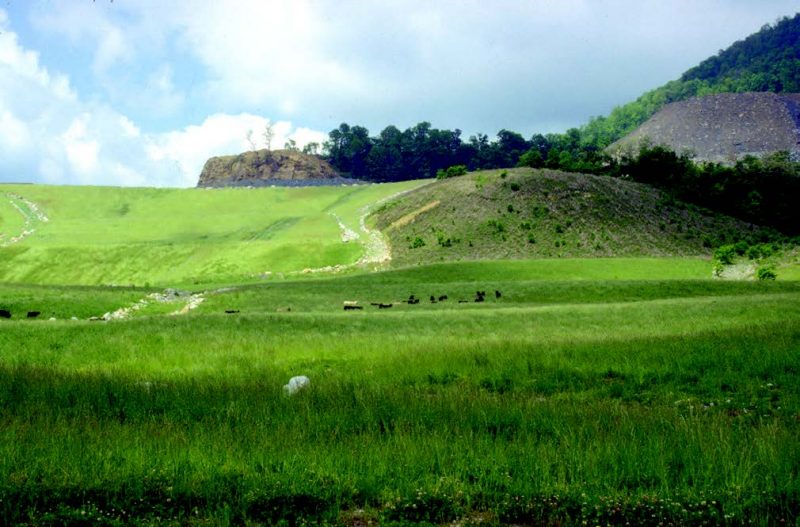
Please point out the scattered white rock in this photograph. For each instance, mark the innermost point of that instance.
(296, 384)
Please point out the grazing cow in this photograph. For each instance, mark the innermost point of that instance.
(384, 306)
(463, 301)
(497, 294)
(433, 299)
(352, 308)
(4, 313)
(442, 298)
(351, 305)
(231, 311)
(34, 314)
(479, 299)
(480, 296)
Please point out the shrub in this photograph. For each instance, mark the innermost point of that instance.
(725, 254)
(559, 228)
(525, 226)
(503, 174)
(496, 225)
(446, 241)
(453, 171)
(766, 272)
(510, 207)
(753, 252)
(531, 238)
(740, 247)
(417, 243)
(514, 186)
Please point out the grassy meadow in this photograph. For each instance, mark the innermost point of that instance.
(590, 391)
(671, 398)
(138, 236)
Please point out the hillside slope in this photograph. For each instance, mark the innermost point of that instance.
(724, 127)
(766, 61)
(545, 214)
(105, 235)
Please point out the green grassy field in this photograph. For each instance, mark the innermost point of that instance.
(103, 235)
(581, 394)
(592, 391)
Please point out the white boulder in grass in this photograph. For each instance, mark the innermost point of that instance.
(296, 384)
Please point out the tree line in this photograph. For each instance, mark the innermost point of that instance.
(761, 191)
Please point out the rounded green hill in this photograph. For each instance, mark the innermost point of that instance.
(526, 213)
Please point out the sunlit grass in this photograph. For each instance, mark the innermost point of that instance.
(606, 400)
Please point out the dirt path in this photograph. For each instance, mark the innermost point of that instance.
(376, 247)
(32, 214)
(169, 296)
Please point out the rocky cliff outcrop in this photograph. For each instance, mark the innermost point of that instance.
(724, 127)
(265, 167)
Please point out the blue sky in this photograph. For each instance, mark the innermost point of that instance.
(142, 92)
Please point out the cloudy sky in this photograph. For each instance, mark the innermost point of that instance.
(142, 92)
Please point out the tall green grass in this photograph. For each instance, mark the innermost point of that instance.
(605, 401)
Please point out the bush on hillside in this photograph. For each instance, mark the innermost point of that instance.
(725, 254)
(453, 171)
(766, 272)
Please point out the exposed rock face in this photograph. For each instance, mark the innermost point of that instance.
(265, 167)
(723, 128)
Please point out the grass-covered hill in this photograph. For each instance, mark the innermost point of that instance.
(526, 213)
(768, 61)
(124, 236)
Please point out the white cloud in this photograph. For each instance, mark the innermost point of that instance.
(14, 133)
(82, 152)
(48, 134)
(220, 134)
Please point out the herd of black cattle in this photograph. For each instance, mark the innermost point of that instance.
(480, 296)
(349, 305)
(5, 313)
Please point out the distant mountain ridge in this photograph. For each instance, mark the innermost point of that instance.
(766, 61)
(268, 167)
(723, 128)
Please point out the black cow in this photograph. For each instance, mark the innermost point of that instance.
(231, 311)
(386, 306)
(442, 298)
(433, 299)
(34, 314)
(4, 313)
(352, 308)
(497, 294)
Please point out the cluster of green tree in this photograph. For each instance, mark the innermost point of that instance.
(768, 60)
(418, 152)
(761, 191)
